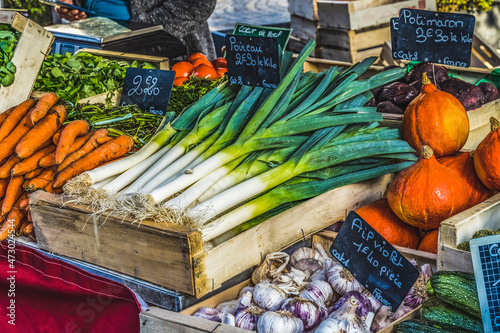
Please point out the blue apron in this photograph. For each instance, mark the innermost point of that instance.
(113, 9)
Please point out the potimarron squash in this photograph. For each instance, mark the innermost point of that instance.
(487, 157)
(380, 216)
(437, 119)
(463, 166)
(430, 242)
(426, 193)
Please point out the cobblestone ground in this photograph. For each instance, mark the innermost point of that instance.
(261, 12)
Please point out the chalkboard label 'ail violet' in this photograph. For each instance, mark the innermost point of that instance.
(149, 89)
(374, 262)
(443, 38)
(253, 61)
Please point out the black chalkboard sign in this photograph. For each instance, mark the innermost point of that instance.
(253, 61)
(374, 262)
(485, 252)
(281, 34)
(444, 38)
(150, 89)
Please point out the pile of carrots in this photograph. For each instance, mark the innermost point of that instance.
(39, 152)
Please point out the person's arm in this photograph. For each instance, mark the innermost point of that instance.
(70, 14)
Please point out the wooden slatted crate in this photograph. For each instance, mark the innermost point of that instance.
(307, 9)
(460, 228)
(34, 44)
(354, 39)
(173, 256)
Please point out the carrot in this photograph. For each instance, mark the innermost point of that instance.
(104, 139)
(49, 188)
(3, 186)
(15, 117)
(40, 182)
(8, 145)
(21, 226)
(13, 219)
(57, 135)
(47, 161)
(5, 169)
(24, 201)
(69, 134)
(14, 191)
(42, 107)
(28, 228)
(107, 152)
(89, 146)
(28, 216)
(31, 163)
(5, 114)
(34, 173)
(41, 132)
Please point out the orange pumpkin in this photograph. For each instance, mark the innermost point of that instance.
(380, 216)
(463, 166)
(487, 157)
(437, 119)
(426, 193)
(430, 242)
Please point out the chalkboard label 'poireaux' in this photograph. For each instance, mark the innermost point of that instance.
(149, 89)
(444, 38)
(374, 262)
(485, 252)
(253, 61)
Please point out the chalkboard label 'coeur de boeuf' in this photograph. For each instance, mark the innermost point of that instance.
(281, 34)
(374, 262)
(149, 89)
(253, 61)
(442, 38)
(485, 252)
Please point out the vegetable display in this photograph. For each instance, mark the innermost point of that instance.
(34, 148)
(256, 150)
(296, 293)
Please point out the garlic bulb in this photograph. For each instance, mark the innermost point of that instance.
(381, 319)
(227, 307)
(279, 322)
(331, 325)
(375, 302)
(342, 280)
(320, 292)
(348, 312)
(268, 296)
(244, 290)
(362, 308)
(208, 313)
(305, 253)
(418, 292)
(247, 319)
(309, 312)
(244, 302)
(271, 268)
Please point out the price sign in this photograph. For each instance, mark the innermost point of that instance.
(485, 252)
(374, 262)
(443, 38)
(281, 34)
(253, 61)
(149, 89)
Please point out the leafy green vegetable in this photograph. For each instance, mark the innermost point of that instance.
(8, 41)
(76, 76)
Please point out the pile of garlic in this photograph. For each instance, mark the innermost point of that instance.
(310, 292)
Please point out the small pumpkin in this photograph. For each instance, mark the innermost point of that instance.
(487, 157)
(437, 119)
(426, 193)
(380, 216)
(430, 242)
(463, 166)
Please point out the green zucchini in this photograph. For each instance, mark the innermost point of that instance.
(427, 326)
(435, 310)
(456, 288)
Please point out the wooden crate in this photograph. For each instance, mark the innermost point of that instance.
(349, 55)
(410, 315)
(307, 9)
(460, 228)
(326, 238)
(359, 14)
(172, 255)
(354, 39)
(303, 29)
(34, 44)
(160, 62)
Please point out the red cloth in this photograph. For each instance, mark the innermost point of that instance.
(50, 295)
